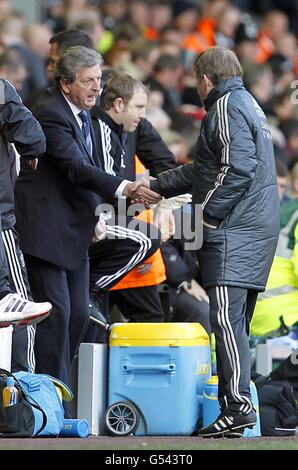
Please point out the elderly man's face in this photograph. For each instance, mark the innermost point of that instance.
(84, 91)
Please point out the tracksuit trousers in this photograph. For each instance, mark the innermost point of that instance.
(231, 310)
(22, 357)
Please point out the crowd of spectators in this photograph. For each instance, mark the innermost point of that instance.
(157, 41)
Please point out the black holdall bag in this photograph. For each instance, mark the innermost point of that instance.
(288, 370)
(15, 420)
(38, 410)
(278, 408)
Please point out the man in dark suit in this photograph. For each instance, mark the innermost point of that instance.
(58, 203)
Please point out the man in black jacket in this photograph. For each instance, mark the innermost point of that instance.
(123, 108)
(234, 180)
(18, 127)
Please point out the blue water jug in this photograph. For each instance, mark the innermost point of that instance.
(211, 408)
(75, 428)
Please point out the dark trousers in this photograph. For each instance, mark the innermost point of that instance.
(231, 310)
(22, 356)
(140, 304)
(59, 336)
(189, 309)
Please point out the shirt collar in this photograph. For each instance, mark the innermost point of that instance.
(75, 110)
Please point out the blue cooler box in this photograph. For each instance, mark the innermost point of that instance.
(156, 373)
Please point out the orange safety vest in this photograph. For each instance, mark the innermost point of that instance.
(265, 48)
(157, 273)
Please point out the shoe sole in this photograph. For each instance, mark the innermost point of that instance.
(5, 324)
(233, 435)
(227, 435)
(34, 319)
(224, 433)
(30, 320)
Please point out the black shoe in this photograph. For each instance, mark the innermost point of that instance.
(95, 313)
(229, 424)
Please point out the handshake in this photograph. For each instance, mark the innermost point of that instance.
(139, 192)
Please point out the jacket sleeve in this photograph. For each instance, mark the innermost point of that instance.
(236, 148)
(65, 153)
(152, 151)
(174, 182)
(18, 124)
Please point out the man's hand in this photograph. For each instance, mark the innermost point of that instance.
(32, 163)
(100, 231)
(140, 192)
(196, 291)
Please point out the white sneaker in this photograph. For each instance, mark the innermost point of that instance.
(15, 310)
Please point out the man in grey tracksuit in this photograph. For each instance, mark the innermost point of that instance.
(233, 177)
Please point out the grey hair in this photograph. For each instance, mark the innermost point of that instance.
(218, 63)
(74, 59)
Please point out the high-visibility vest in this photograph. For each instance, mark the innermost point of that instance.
(295, 254)
(281, 295)
(157, 273)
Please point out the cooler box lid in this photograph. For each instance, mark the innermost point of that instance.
(158, 334)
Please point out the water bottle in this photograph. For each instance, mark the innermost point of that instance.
(211, 408)
(9, 393)
(75, 428)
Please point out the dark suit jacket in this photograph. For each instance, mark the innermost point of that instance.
(55, 205)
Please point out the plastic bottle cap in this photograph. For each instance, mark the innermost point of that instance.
(10, 381)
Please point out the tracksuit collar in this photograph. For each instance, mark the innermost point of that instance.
(221, 89)
(99, 113)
